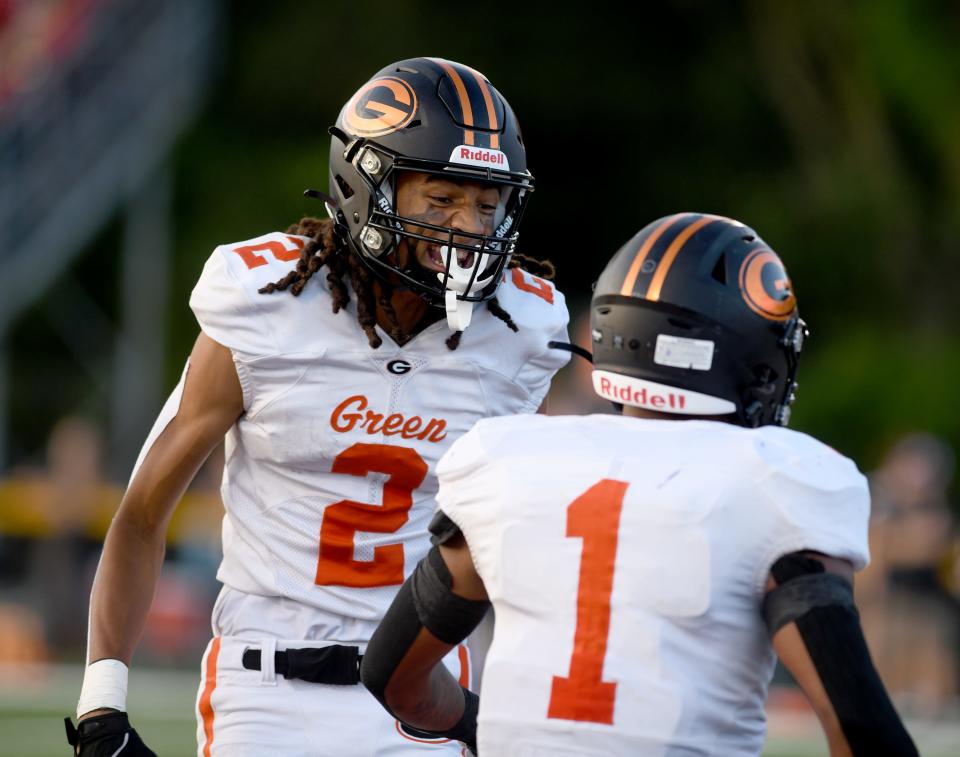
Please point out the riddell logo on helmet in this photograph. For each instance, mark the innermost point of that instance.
(479, 156)
(641, 397)
(655, 396)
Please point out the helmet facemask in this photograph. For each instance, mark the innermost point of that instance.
(473, 262)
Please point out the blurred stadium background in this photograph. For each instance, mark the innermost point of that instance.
(134, 137)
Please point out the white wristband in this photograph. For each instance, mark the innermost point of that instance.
(104, 685)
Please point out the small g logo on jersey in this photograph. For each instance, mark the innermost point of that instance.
(380, 107)
(399, 367)
(766, 287)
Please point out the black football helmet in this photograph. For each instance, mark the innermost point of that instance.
(438, 117)
(696, 315)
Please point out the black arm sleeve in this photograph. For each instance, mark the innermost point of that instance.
(829, 625)
(389, 643)
(442, 529)
(424, 601)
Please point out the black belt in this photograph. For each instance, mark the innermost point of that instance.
(338, 665)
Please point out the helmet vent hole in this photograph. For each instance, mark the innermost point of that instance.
(345, 188)
(677, 323)
(407, 70)
(413, 124)
(748, 238)
(719, 272)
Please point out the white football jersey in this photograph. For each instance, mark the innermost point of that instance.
(329, 482)
(626, 561)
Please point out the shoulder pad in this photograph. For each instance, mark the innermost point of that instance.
(227, 301)
(256, 262)
(533, 302)
(822, 500)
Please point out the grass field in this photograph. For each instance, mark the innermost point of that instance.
(34, 701)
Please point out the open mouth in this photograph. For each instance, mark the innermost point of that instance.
(435, 261)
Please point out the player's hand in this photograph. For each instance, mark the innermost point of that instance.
(105, 736)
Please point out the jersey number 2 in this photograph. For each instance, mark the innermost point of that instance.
(405, 471)
(583, 695)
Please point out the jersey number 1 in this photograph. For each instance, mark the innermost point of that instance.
(341, 521)
(583, 695)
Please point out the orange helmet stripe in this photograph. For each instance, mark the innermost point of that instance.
(462, 94)
(627, 289)
(663, 267)
(491, 112)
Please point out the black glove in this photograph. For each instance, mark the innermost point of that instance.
(104, 736)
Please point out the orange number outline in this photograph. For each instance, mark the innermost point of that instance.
(539, 287)
(583, 695)
(249, 252)
(336, 565)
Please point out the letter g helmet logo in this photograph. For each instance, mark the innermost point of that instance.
(765, 286)
(380, 107)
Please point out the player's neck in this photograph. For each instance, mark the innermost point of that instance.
(413, 313)
(640, 412)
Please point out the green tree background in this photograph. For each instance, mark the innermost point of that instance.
(832, 128)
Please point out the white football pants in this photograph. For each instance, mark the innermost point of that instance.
(258, 713)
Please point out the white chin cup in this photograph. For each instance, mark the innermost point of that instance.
(460, 312)
(459, 277)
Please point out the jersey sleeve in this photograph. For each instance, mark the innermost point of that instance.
(169, 411)
(226, 300)
(819, 502)
(464, 495)
(540, 311)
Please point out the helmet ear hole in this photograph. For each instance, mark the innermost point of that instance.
(766, 378)
(345, 189)
(719, 272)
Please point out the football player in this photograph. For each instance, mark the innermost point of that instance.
(336, 404)
(645, 570)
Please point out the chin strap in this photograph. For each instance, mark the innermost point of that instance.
(586, 355)
(575, 349)
(330, 203)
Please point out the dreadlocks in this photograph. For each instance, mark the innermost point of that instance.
(326, 248)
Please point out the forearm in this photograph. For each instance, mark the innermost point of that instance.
(431, 702)
(203, 406)
(134, 548)
(123, 589)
